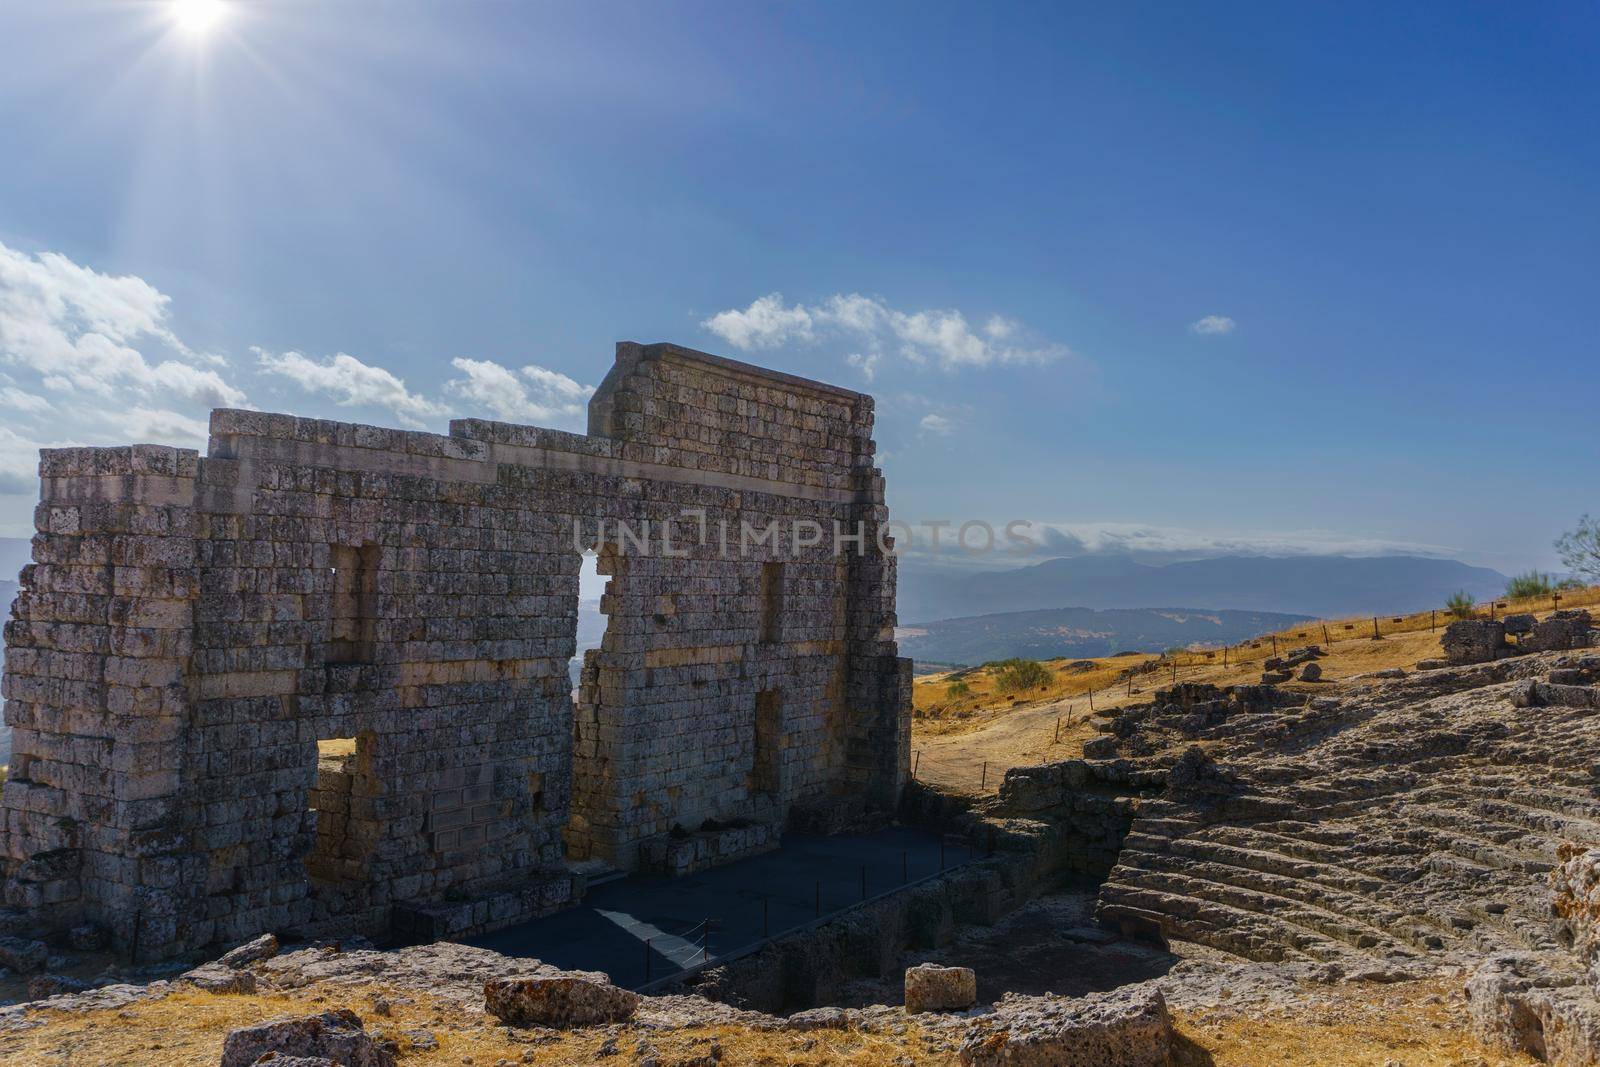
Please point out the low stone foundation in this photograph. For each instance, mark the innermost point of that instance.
(417, 923)
(680, 855)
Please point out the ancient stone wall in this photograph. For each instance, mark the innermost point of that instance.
(192, 627)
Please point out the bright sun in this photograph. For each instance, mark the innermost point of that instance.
(197, 16)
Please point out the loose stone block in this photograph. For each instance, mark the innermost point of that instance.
(930, 987)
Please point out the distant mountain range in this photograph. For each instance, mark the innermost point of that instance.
(1306, 586)
(1081, 632)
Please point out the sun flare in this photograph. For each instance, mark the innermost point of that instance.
(197, 17)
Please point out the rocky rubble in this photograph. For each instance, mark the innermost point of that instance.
(561, 1002)
(1129, 1027)
(336, 1036)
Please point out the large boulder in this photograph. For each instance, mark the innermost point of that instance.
(1561, 631)
(560, 1002)
(333, 1035)
(1575, 903)
(1129, 1027)
(930, 987)
(1473, 641)
(262, 948)
(215, 978)
(22, 955)
(1531, 1004)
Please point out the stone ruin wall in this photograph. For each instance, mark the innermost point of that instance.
(192, 627)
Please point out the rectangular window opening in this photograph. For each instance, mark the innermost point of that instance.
(765, 776)
(352, 627)
(771, 603)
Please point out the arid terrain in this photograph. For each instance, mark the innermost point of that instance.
(1387, 865)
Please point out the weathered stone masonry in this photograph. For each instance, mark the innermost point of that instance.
(192, 627)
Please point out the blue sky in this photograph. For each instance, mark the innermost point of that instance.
(1273, 277)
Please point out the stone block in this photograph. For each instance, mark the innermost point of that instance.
(929, 987)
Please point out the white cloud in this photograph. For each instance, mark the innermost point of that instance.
(866, 363)
(933, 422)
(352, 383)
(1213, 325)
(999, 327)
(158, 426)
(95, 361)
(1139, 538)
(936, 335)
(534, 394)
(17, 400)
(79, 330)
(766, 323)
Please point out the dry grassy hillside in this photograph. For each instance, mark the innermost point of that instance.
(970, 725)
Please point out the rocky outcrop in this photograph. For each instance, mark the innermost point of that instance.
(1129, 1027)
(262, 948)
(1474, 641)
(560, 1003)
(1563, 630)
(1530, 1004)
(333, 1035)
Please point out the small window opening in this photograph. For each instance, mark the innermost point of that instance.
(769, 731)
(771, 603)
(352, 630)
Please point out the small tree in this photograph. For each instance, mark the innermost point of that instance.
(1533, 584)
(1015, 675)
(1460, 604)
(1580, 549)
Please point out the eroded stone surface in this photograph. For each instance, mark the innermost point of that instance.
(559, 1002)
(930, 987)
(1129, 1027)
(334, 1035)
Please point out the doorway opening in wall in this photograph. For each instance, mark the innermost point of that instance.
(339, 807)
(764, 777)
(353, 608)
(592, 619)
(588, 762)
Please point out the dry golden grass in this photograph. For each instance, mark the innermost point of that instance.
(1367, 1026)
(1409, 1024)
(967, 743)
(339, 746)
(937, 711)
(188, 1028)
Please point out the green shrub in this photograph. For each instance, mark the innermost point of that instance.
(1460, 604)
(1015, 675)
(958, 689)
(1532, 584)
